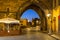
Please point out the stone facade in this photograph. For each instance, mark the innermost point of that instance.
(15, 8)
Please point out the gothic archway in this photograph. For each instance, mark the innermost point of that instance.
(39, 9)
(40, 13)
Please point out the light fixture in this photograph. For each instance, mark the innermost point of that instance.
(48, 15)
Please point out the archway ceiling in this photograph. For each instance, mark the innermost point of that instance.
(13, 5)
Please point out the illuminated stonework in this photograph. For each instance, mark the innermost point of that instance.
(15, 8)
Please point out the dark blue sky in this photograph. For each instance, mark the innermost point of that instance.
(29, 14)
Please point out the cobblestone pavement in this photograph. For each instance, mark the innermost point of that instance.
(29, 36)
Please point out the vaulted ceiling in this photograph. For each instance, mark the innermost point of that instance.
(13, 5)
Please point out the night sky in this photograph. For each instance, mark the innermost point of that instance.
(29, 14)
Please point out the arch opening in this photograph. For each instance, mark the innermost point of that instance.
(30, 14)
(41, 14)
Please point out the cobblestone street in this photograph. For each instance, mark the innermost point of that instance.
(29, 36)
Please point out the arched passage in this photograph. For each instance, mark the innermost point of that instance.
(30, 14)
(40, 13)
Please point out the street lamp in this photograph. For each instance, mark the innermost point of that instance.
(49, 23)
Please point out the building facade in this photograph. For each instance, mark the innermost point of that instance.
(23, 23)
(15, 8)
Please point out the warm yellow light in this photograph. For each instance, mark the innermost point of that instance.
(8, 31)
(48, 15)
(28, 20)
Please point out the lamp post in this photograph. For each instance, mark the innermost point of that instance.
(49, 24)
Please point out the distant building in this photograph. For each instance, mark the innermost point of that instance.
(29, 24)
(35, 22)
(23, 22)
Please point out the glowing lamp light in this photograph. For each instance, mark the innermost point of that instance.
(28, 20)
(48, 15)
(8, 31)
